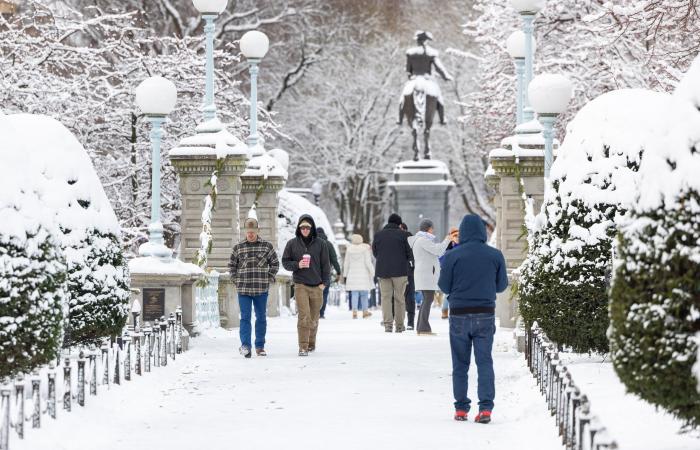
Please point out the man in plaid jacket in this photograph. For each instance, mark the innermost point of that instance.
(253, 267)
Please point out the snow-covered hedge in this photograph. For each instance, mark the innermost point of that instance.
(564, 280)
(32, 281)
(55, 163)
(655, 308)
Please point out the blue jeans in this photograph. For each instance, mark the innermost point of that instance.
(247, 303)
(475, 330)
(359, 297)
(326, 290)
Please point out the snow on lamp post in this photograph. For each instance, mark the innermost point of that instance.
(515, 45)
(317, 190)
(528, 9)
(254, 46)
(156, 98)
(210, 10)
(549, 95)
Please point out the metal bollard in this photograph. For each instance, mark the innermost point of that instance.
(127, 357)
(164, 342)
(156, 340)
(105, 363)
(66, 385)
(19, 399)
(178, 324)
(5, 418)
(171, 328)
(51, 406)
(81, 379)
(137, 350)
(117, 365)
(147, 349)
(93, 371)
(36, 400)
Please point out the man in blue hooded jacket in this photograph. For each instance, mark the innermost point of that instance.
(472, 274)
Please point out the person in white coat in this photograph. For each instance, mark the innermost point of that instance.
(426, 252)
(358, 272)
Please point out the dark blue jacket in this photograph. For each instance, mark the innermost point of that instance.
(473, 272)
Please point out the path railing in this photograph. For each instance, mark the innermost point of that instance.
(81, 374)
(578, 427)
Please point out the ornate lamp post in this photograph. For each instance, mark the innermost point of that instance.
(210, 10)
(317, 190)
(528, 9)
(515, 45)
(156, 97)
(254, 46)
(549, 95)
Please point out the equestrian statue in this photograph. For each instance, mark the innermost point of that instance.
(421, 95)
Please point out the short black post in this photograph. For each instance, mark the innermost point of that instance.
(105, 363)
(81, 379)
(147, 348)
(36, 400)
(171, 328)
(51, 406)
(5, 418)
(93, 373)
(19, 399)
(164, 342)
(66, 385)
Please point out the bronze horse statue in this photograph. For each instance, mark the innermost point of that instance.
(421, 96)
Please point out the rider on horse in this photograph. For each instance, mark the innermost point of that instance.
(420, 62)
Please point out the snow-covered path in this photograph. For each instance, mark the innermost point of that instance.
(362, 389)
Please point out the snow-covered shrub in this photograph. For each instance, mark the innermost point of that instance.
(32, 281)
(655, 298)
(564, 280)
(68, 187)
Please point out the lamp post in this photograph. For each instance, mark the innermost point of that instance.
(528, 9)
(317, 190)
(515, 45)
(549, 95)
(210, 10)
(156, 97)
(254, 46)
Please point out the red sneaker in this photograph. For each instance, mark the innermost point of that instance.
(461, 415)
(483, 417)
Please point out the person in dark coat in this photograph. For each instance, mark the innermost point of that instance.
(393, 255)
(334, 263)
(410, 289)
(306, 256)
(472, 274)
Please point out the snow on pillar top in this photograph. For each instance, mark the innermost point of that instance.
(430, 172)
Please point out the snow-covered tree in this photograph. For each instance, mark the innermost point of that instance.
(32, 280)
(655, 307)
(565, 277)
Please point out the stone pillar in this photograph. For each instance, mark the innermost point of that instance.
(526, 151)
(421, 191)
(266, 212)
(195, 160)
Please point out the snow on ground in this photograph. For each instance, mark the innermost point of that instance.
(632, 422)
(362, 389)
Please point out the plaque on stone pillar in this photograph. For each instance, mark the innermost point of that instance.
(153, 304)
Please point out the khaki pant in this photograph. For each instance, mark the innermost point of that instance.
(309, 301)
(393, 292)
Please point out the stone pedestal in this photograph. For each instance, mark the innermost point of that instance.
(421, 191)
(195, 161)
(523, 153)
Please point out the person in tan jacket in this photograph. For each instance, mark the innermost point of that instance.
(358, 272)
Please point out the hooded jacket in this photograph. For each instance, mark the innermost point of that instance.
(358, 269)
(426, 252)
(320, 269)
(473, 272)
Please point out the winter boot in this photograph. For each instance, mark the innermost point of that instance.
(260, 352)
(445, 314)
(461, 415)
(354, 314)
(245, 351)
(303, 352)
(483, 417)
(389, 328)
(366, 314)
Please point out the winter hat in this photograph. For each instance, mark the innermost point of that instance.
(305, 223)
(425, 225)
(250, 225)
(356, 239)
(395, 219)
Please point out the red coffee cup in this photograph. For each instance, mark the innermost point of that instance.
(306, 258)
